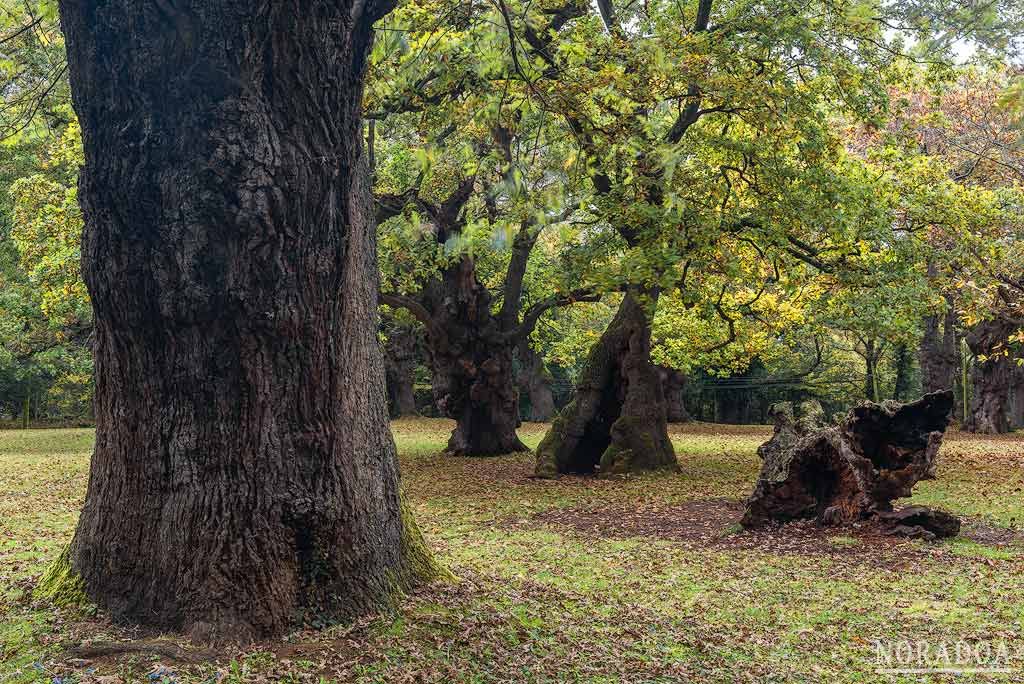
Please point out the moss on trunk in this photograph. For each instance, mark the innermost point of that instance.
(618, 420)
(60, 584)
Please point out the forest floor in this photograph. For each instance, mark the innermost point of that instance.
(632, 579)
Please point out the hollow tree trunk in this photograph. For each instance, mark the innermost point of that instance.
(243, 475)
(674, 382)
(400, 367)
(472, 360)
(535, 381)
(991, 378)
(617, 421)
(842, 474)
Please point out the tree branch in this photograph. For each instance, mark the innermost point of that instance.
(410, 304)
(534, 313)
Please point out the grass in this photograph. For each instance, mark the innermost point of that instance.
(543, 601)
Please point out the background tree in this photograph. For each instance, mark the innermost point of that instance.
(460, 231)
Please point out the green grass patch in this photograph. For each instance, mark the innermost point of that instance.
(542, 602)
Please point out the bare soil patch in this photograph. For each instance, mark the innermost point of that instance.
(713, 524)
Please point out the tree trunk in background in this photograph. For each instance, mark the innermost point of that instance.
(871, 371)
(535, 381)
(901, 386)
(617, 421)
(990, 379)
(673, 383)
(1017, 412)
(472, 362)
(400, 367)
(244, 476)
(938, 355)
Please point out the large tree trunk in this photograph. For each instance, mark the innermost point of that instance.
(991, 378)
(472, 359)
(535, 381)
(673, 383)
(244, 476)
(400, 366)
(617, 421)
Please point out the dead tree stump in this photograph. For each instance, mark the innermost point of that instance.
(851, 471)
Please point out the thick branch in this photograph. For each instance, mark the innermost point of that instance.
(410, 304)
(388, 206)
(692, 112)
(534, 313)
(522, 247)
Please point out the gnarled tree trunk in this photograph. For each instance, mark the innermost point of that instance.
(617, 421)
(471, 347)
(244, 476)
(991, 378)
(536, 383)
(472, 361)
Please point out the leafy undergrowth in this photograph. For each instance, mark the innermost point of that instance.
(633, 579)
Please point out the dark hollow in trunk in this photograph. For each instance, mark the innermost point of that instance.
(244, 477)
(673, 383)
(846, 473)
(400, 360)
(535, 382)
(617, 421)
(991, 378)
(472, 360)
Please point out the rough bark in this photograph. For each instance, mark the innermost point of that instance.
(617, 421)
(472, 360)
(244, 477)
(472, 347)
(400, 358)
(846, 473)
(535, 381)
(991, 377)
(674, 383)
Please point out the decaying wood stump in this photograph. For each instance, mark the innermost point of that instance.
(854, 470)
